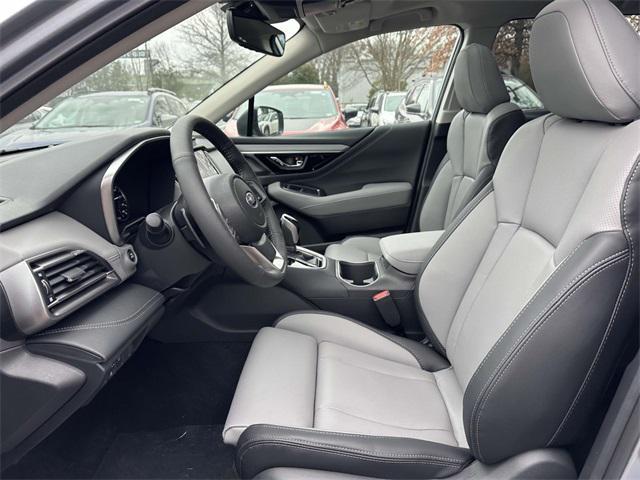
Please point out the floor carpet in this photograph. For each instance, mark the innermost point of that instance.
(161, 417)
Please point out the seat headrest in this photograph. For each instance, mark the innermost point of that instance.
(477, 80)
(585, 61)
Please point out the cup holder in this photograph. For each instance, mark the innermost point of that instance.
(358, 274)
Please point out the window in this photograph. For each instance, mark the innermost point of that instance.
(522, 95)
(97, 110)
(176, 70)
(326, 93)
(511, 49)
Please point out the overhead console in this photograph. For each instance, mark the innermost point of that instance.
(278, 10)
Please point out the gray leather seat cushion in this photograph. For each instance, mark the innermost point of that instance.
(321, 371)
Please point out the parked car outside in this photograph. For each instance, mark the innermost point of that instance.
(389, 104)
(27, 121)
(420, 101)
(76, 116)
(381, 108)
(370, 117)
(356, 121)
(305, 107)
(353, 113)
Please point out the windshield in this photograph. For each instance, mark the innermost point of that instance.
(393, 101)
(150, 86)
(97, 111)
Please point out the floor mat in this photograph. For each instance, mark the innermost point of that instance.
(182, 452)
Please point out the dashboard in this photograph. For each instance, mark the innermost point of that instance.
(78, 290)
(142, 181)
(141, 184)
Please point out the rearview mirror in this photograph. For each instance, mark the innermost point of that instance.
(267, 122)
(255, 34)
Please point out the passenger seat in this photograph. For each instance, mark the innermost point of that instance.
(477, 136)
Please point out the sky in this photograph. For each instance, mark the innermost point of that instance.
(9, 8)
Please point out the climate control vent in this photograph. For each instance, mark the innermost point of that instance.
(68, 277)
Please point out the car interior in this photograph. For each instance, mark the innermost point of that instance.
(455, 297)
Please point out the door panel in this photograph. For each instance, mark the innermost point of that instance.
(355, 181)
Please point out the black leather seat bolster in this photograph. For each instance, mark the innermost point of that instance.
(261, 447)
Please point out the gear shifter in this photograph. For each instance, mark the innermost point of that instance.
(290, 231)
(298, 256)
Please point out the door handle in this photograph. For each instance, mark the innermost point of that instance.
(293, 162)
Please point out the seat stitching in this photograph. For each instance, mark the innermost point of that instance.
(485, 82)
(370, 329)
(614, 315)
(448, 232)
(454, 341)
(344, 362)
(610, 61)
(371, 459)
(114, 323)
(562, 265)
(337, 434)
(541, 314)
(384, 423)
(579, 61)
(520, 348)
(535, 170)
(344, 450)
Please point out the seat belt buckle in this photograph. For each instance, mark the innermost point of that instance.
(387, 308)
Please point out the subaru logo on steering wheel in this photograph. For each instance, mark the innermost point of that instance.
(251, 199)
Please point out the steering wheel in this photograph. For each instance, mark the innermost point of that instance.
(233, 211)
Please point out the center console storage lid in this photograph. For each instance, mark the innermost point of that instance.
(407, 251)
(101, 328)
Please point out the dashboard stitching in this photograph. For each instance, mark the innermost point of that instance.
(114, 323)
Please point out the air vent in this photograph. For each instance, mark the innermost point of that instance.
(72, 275)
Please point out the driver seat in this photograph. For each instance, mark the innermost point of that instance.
(528, 301)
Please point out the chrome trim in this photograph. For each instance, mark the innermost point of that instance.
(277, 265)
(302, 148)
(106, 189)
(301, 263)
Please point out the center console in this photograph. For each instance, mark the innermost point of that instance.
(349, 288)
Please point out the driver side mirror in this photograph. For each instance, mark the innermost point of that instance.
(414, 108)
(348, 114)
(165, 119)
(267, 122)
